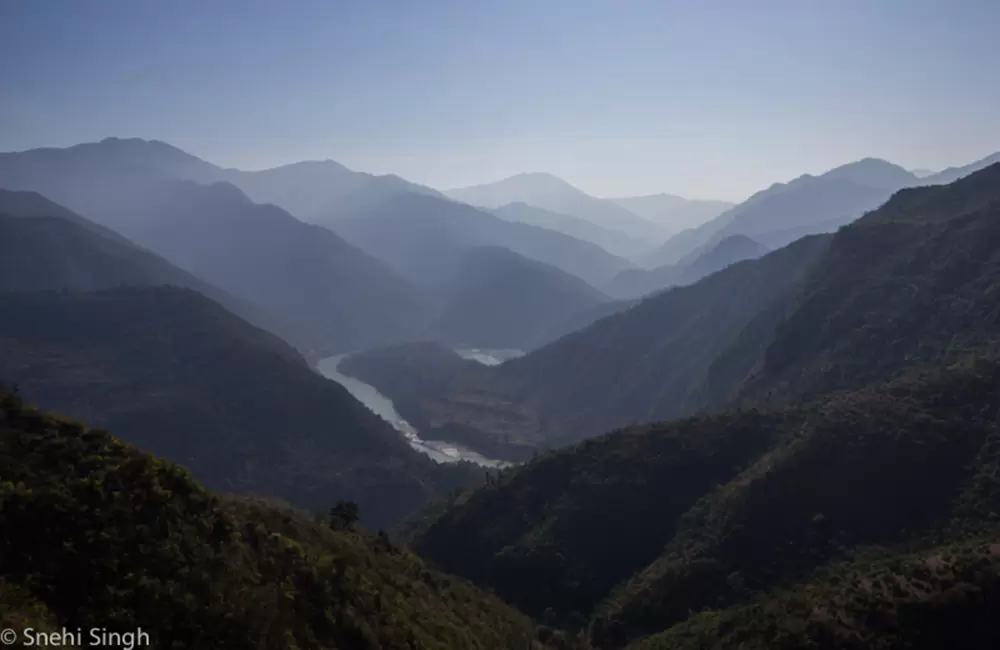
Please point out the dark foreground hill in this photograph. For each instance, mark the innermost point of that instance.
(942, 597)
(96, 534)
(639, 530)
(174, 373)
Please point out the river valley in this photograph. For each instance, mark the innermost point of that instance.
(440, 451)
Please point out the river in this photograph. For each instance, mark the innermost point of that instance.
(488, 357)
(442, 452)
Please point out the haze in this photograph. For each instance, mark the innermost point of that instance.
(701, 99)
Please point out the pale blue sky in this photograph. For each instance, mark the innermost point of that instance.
(702, 98)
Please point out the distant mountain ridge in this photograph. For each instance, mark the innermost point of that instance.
(835, 197)
(304, 189)
(699, 264)
(615, 242)
(311, 189)
(673, 211)
(553, 193)
(807, 205)
(44, 246)
(424, 237)
(499, 299)
(332, 296)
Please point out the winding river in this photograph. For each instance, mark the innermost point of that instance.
(442, 452)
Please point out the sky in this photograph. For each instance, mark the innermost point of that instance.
(702, 98)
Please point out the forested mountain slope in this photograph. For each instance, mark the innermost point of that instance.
(714, 511)
(915, 280)
(97, 534)
(942, 597)
(176, 374)
(893, 339)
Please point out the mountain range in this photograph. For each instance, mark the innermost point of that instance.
(47, 247)
(839, 490)
(556, 195)
(616, 242)
(424, 237)
(674, 212)
(795, 444)
(807, 205)
(314, 289)
(701, 345)
(725, 252)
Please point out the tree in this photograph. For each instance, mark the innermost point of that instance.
(343, 515)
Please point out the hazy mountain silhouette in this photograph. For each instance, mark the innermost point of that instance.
(44, 246)
(921, 172)
(499, 299)
(424, 238)
(954, 173)
(707, 260)
(730, 250)
(313, 188)
(553, 193)
(872, 172)
(333, 296)
(89, 178)
(675, 212)
(339, 297)
(805, 205)
(78, 176)
(33, 204)
(614, 241)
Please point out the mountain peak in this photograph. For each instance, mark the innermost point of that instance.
(873, 172)
(544, 190)
(537, 176)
